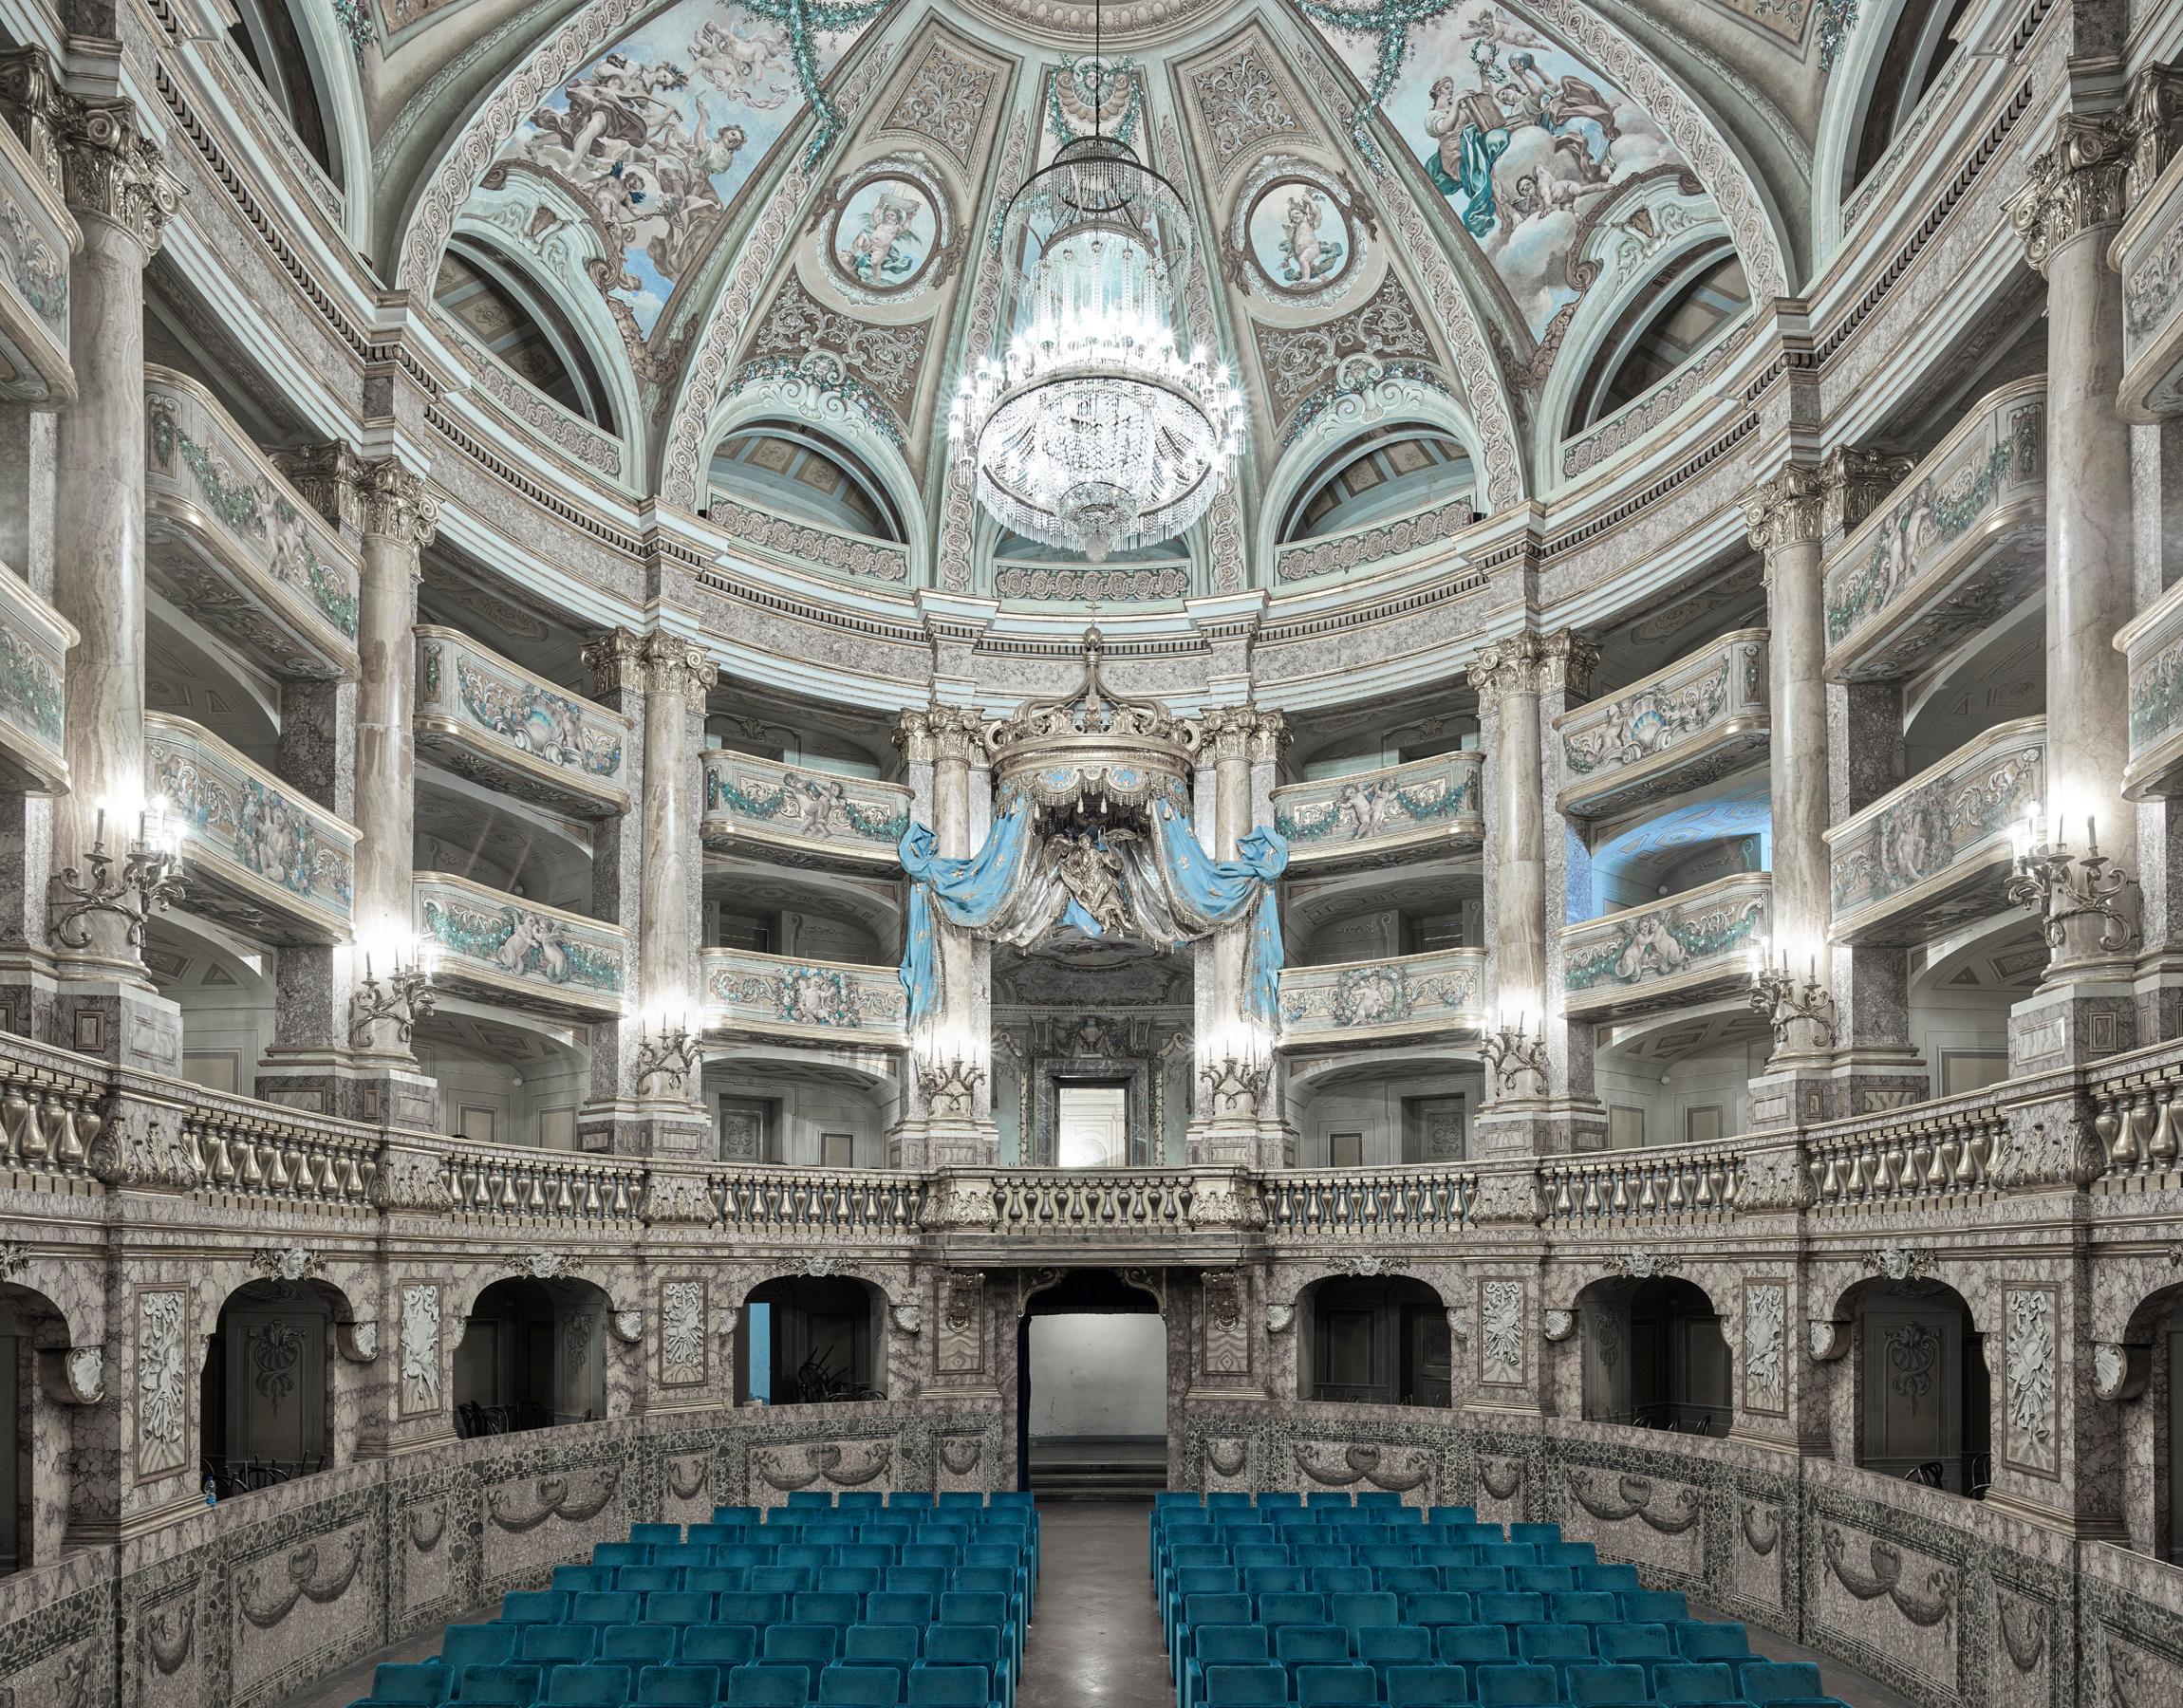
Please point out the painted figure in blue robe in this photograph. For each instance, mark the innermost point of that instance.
(1470, 136)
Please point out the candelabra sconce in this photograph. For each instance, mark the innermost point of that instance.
(406, 996)
(2082, 902)
(1513, 1054)
(950, 1086)
(1789, 1002)
(1235, 1085)
(149, 880)
(674, 1056)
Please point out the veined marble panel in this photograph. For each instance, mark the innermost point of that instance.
(801, 816)
(37, 238)
(1382, 817)
(502, 947)
(499, 725)
(236, 547)
(2148, 252)
(785, 996)
(1669, 951)
(256, 855)
(1936, 851)
(1961, 540)
(34, 642)
(1400, 996)
(1678, 729)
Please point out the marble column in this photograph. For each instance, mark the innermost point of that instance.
(606, 1119)
(960, 1131)
(112, 178)
(678, 675)
(1526, 1110)
(2066, 216)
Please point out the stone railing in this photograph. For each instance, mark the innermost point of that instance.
(808, 547)
(34, 642)
(2154, 644)
(2137, 1121)
(496, 724)
(1403, 994)
(783, 996)
(1664, 1185)
(802, 1203)
(1426, 1200)
(506, 948)
(1936, 851)
(2147, 251)
(51, 1115)
(276, 863)
(236, 547)
(1088, 1200)
(800, 815)
(510, 1182)
(1663, 952)
(1922, 1155)
(1681, 728)
(1961, 540)
(250, 1151)
(1429, 806)
(1397, 542)
(37, 238)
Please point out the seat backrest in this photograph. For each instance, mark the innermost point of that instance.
(1518, 1686)
(1427, 1686)
(1247, 1685)
(1451, 1514)
(1535, 1533)
(655, 1534)
(589, 1686)
(605, 1607)
(1606, 1686)
(1338, 1686)
(917, 1580)
(1635, 1642)
(948, 1687)
(717, 1645)
(1653, 1606)
(1221, 1644)
(1510, 1608)
(818, 1607)
(1216, 1610)
(799, 1642)
(880, 1642)
(1546, 1580)
(763, 1687)
(994, 1580)
(749, 1607)
(533, 1607)
(573, 1578)
(737, 1514)
(711, 1580)
(1327, 1497)
(897, 1606)
(982, 1607)
(504, 1686)
(1473, 1580)
(637, 1644)
(1712, 1639)
(1436, 1608)
(1294, 1644)
(1694, 1682)
(1763, 1683)
(678, 1607)
(424, 1683)
(963, 1643)
(1374, 1608)
(1615, 1578)
(1404, 1580)
(645, 1579)
(1554, 1642)
(1472, 1643)
(1267, 1580)
(477, 1646)
(1584, 1606)
(780, 1580)
(1393, 1643)
(860, 1687)
(1340, 1580)
(1292, 1608)
(679, 1686)
(557, 1645)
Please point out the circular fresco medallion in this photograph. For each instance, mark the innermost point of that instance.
(887, 236)
(1297, 238)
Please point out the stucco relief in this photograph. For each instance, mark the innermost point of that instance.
(1766, 1319)
(419, 1347)
(162, 1378)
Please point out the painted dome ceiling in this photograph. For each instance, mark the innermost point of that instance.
(1467, 220)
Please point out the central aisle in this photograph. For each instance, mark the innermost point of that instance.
(1095, 1638)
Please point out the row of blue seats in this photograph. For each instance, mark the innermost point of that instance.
(785, 1577)
(1515, 1684)
(1428, 1611)
(690, 1607)
(751, 1684)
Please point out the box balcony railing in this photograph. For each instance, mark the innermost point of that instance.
(34, 642)
(504, 949)
(1681, 728)
(797, 815)
(766, 536)
(1399, 811)
(37, 239)
(1406, 541)
(2148, 252)
(501, 726)
(1400, 995)
(791, 996)
(2152, 644)
(1683, 949)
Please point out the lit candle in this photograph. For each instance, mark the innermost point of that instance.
(99, 836)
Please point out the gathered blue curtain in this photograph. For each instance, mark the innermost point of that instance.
(1222, 892)
(971, 892)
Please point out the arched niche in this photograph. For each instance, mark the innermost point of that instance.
(1655, 1356)
(532, 1353)
(812, 1339)
(1919, 1394)
(1373, 1339)
(268, 1400)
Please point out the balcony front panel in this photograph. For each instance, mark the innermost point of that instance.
(1686, 948)
(37, 237)
(784, 997)
(1405, 995)
(234, 545)
(2154, 644)
(801, 817)
(498, 726)
(34, 642)
(1935, 853)
(1698, 720)
(1399, 542)
(1961, 540)
(257, 856)
(504, 949)
(1382, 817)
(808, 547)
(2148, 252)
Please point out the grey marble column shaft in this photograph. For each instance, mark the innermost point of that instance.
(678, 674)
(386, 752)
(1797, 691)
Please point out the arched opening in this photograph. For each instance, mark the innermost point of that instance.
(265, 34)
(1654, 1357)
(1091, 1389)
(1923, 1400)
(1393, 470)
(1671, 320)
(1920, 46)
(798, 471)
(811, 1339)
(264, 1411)
(35, 1430)
(533, 1354)
(492, 300)
(1374, 1341)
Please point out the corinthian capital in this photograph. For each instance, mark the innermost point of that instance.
(1529, 663)
(90, 150)
(958, 733)
(393, 502)
(616, 661)
(1789, 509)
(913, 735)
(2076, 185)
(1244, 733)
(676, 666)
(1852, 481)
(2155, 120)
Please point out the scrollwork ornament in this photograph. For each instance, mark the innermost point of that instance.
(91, 149)
(1640, 1265)
(2076, 185)
(286, 1262)
(85, 1369)
(14, 1260)
(1280, 1318)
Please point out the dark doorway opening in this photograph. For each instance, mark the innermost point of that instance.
(1091, 1390)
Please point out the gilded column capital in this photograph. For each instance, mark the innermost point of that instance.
(2076, 185)
(616, 661)
(91, 150)
(2154, 115)
(1529, 663)
(676, 666)
(1789, 509)
(394, 503)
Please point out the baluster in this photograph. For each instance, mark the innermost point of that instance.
(1677, 1201)
(1705, 1197)
(2114, 1135)
(2142, 1119)
(1730, 1175)
(277, 1174)
(2163, 1148)
(1620, 1202)
(1919, 1153)
(1646, 1202)
(1563, 1208)
(1942, 1163)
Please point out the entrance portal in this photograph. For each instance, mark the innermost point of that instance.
(1091, 1390)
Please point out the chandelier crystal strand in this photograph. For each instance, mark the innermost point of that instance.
(1093, 430)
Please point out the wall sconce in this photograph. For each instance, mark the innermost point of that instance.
(1788, 1002)
(150, 872)
(1515, 1052)
(2068, 892)
(405, 995)
(676, 1054)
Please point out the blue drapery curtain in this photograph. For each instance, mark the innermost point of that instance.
(971, 892)
(1223, 892)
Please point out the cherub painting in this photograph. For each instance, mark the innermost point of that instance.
(884, 233)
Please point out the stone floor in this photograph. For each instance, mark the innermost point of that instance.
(1095, 1642)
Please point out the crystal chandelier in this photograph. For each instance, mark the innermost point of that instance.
(1093, 430)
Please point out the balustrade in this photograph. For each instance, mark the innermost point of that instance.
(767, 537)
(507, 1183)
(258, 1151)
(800, 816)
(1680, 727)
(232, 544)
(500, 725)
(1961, 540)
(1936, 852)
(2137, 1118)
(37, 238)
(1922, 1154)
(2148, 252)
(1405, 1202)
(1399, 996)
(1087, 1200)
(51, 1114)
(34, 642)
(1427, 806)
(1398, 543)
(1668, 952)
(782, 996)
(801, 1203)
(1674, 1183)
(501, 947)
(265, 859)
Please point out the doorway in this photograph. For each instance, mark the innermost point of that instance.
(1091, 1390)
(1093, 1127)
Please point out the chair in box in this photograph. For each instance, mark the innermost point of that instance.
(1219, 1645)
(466, 1646)
(410, 1684)
(1427, 1687)
(894, 1645)
(1248, 1686)
(638, 1645)
(758, 1686)
(845, 1686)
(591, 1686)
(1345, 1686)
(1518, 1686)
(1386, 1647)
(988, 1607)
(533, 1607)
(717, 1645)
(678, 1686)
(548, 1647)
(1599, 1687)
(899, 1606)
(509, 1686)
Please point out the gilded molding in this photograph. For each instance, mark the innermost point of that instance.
(1529, 663)
(2076, 185)
(92, 151)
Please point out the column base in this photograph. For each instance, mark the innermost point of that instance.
(647, 1126)
(1793, 1092)
(118, 1020)
(1241, 1141)
(929, 1142)
(1872, 1079)
(1540, 1126)
(2069, 1022)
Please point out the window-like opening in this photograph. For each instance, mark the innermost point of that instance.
(811, 1339)
(1672, 318)
(1924, 1401)
(505, 313)
(1654, 1357)
(1389, 472)
(1375, 1343)
(1093, 1127)
(261, 1403)
(1920, 50)
(533, 1354)
(791, 468)
(265, 34)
